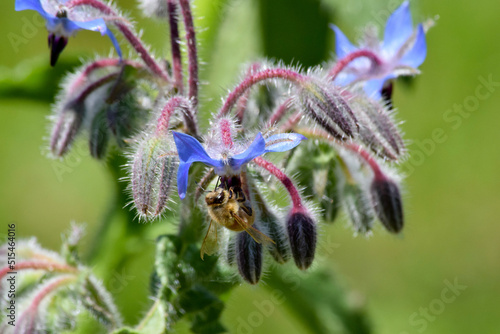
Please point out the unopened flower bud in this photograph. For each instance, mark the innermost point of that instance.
(153, 168)
(98, 135)
(280, 249)
(302, 234)
(378, 130)
(324, 104)
(67, 124)
(249, 257)
(387, 202)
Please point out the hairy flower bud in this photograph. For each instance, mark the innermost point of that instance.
(388, 204)
(324, 104)
(378, 130)
(67, 124)
(275, 229)
(98, 135)
(302, 234)
(153, 168)
(249, 257)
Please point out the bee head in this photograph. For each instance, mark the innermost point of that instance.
(216, 197)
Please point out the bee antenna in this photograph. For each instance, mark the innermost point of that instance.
(217, 183)
(199, 185)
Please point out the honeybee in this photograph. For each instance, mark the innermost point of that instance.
(230, 209)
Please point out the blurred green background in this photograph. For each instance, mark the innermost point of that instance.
(452, 192)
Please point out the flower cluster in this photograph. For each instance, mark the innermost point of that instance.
(43, 276)
(373, 63)
(252, 206)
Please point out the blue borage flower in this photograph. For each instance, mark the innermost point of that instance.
(190, 150)
(63, 23)
(402, 49)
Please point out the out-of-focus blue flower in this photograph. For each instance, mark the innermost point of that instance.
(401, 52)
(63, 23)
(190, 150)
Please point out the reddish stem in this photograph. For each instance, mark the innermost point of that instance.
(243, 101)
(292, 121)
(175, 45)
(49, 287)
(287, 182)
(141, 50)
(342, 63)
(38, 265)
(129, 35)
(96, 65)
(367, 157)
(173, 103)
(278, 113)
(95, 85)
(272, 73)
(353, 147)
(192, 51)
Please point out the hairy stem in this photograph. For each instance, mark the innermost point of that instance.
(351, 146)
(287, 182)
(243, 101)
(175, 45)
(96, 65)
(192, 52)
(167, 112)
(39, 265)
(279, 112)
(342, 63)
(248, 82)
(127, 33)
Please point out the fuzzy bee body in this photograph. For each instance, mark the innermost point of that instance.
(231, 209)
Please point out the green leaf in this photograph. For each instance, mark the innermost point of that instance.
(318, 300)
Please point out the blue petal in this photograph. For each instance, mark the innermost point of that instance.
(373, 87)
(257, 148)
(343, 79)
(283, 142)
(190, 150)
(182, 179)
(94, 25)
(115, 43)
(398, 29)
(416, 56)
(30, 4)
(342, 44)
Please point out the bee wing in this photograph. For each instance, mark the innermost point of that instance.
(257, 235)
(210, 244)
